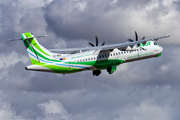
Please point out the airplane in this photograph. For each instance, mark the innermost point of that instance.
(94, 58)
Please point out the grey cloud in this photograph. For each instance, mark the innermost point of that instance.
(147, 110)
(101, 105)
(139, 87)
(95, 19)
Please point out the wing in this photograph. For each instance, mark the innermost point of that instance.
(106, 47)
(71, 50)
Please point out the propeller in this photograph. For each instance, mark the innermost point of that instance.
(96, 72)
(143, 38)
(96, 42)
(136, 36)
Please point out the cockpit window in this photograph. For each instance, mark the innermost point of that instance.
(155, 43)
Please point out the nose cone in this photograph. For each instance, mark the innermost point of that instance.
(160, 49)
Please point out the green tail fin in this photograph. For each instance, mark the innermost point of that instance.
(37, 53)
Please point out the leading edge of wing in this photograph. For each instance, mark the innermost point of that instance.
(106, 47)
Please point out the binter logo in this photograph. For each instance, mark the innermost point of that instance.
(147, 44)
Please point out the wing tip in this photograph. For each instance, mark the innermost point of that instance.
(167, 35)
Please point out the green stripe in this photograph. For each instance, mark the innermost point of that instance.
(61, 69)
(33, 61)
(100, 64)
(33, 42)
(22, 37)
(38, 54)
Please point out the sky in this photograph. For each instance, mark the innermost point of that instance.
(142, 90)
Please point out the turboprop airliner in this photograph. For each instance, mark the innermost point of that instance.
(94, 58)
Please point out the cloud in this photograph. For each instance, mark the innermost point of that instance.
(8, 60)
(53, 110)
(6, 112)
(146, 110)
(137, 90)
(153, 18)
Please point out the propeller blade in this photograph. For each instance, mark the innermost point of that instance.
(144, 43)
(144, 48)
(136, 35)
(103, 44)
(143, 38)
(130, 40)
(15, 39)
(91, 44)
(96, 40)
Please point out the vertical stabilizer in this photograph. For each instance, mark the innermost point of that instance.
(37, 53)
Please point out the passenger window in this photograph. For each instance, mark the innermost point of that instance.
(116, 53)
(121, 52)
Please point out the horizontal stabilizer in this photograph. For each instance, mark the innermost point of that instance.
(15, 39)
(27, 38)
